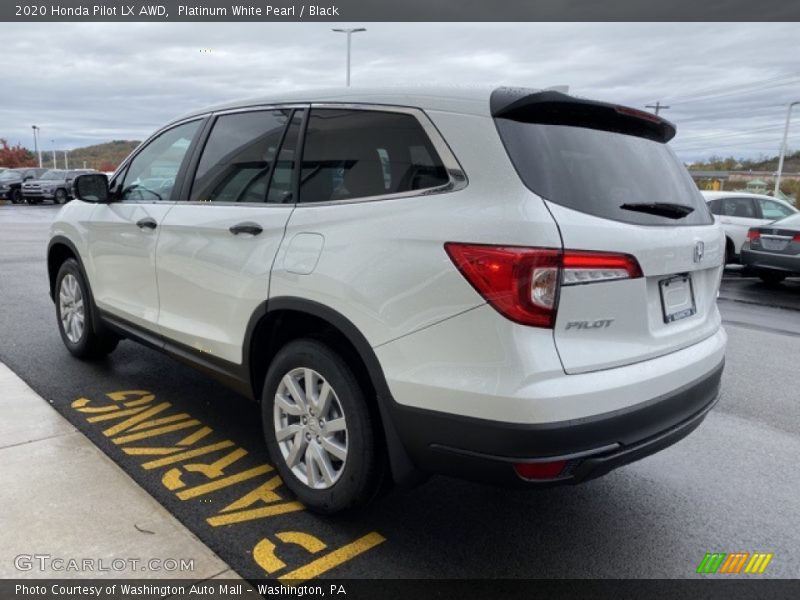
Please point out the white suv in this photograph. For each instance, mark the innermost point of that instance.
(512, 286)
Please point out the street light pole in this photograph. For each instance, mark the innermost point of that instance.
(55, 165)
(36, 143)
(66, 160)
(783, 148)
(349, 33)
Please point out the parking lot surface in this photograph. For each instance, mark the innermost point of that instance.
(731, 486)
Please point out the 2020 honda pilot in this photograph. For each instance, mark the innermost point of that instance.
(515, 286)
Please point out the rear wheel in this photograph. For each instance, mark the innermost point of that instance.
(771, 277)
(74, 312)
(318, 428)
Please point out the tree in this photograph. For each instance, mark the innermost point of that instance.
(15, 156)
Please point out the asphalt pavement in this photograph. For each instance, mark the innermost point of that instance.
(731, 486)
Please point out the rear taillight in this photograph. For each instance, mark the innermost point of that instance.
(523, 283)
(588, 267)
(796, 238)
(753, 234)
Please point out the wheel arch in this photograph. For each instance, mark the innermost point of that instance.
(282, 319)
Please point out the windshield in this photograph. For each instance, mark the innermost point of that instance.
(53, 174)
(9, 175)
(611, 175)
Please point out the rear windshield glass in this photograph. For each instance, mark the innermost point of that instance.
(599, 172)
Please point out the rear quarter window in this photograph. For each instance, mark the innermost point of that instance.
(351, 154)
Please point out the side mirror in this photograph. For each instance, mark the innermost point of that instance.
(92, 187)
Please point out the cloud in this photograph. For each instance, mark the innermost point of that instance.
(727, 84)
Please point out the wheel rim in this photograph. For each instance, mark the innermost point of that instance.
(70, 305)
(310, 428)
(60, 196)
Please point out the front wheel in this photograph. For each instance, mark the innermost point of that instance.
(319, 430)
(74, 312)
(16, 197)
(60, 196)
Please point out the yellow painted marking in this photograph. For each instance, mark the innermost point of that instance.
(155, 432)
(211, 471)
(121, 396)
(256, 513)
(154, 464)
(80, 405)
(150, 451)
(264, 555)
(115, 414)
(212, 486)
(304, 540)
(145, 400)
(264, 493)
(136, 419)
(195, 437)
(332, 559)
(163, 421)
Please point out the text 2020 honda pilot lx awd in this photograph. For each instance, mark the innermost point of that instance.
(514, 286)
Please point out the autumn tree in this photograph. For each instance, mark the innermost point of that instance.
(15, 156)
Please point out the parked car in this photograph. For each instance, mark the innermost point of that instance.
(773, 251)
(11, 181)
(739, 211)
(412, 281)
(55, 185)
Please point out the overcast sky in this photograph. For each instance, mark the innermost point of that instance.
(728, 85)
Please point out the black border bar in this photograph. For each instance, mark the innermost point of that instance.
(400, 10)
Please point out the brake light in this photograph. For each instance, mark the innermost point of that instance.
(523, 283)
(796, 238)
(753, 235)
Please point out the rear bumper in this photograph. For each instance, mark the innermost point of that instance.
(486, 450)
(768, 260)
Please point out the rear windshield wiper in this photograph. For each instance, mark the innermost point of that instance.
(663, 209)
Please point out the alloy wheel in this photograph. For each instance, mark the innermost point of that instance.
(310, 428)
(70, 302)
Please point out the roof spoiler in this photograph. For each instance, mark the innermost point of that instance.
(554, 108)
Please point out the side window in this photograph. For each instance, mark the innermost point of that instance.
(772, 210)
(714, 206)
(238, 157)
(739, 207)
(150, 176)
(362, 153)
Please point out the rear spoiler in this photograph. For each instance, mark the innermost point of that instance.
(554, 108)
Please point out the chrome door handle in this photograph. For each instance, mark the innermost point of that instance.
(146, 223)
(249, 228)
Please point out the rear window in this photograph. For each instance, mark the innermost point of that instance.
(791, 221)
(597, 172)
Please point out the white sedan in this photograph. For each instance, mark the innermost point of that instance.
(739, 211)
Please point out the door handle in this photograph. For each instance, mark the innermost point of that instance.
(146, 223)
(249, 228)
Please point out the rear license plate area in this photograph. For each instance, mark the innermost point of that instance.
(677, 298)
(773, 243)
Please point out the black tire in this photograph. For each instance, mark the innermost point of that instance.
(90, 344)
(60, 196)
(361, 474)
(16, 196)
(771, 278)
